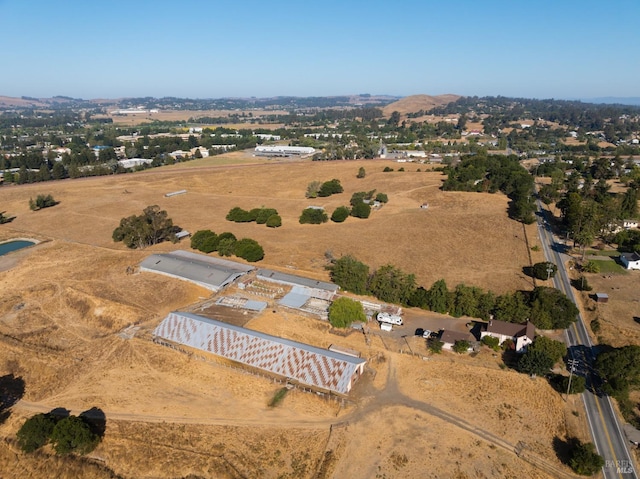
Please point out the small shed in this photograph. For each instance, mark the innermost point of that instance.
(424, 206)
(602, 298)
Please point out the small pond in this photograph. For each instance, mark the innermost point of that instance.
(15, 245)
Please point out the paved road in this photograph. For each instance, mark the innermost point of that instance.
(607, 434)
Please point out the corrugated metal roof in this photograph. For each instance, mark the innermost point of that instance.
(211, 273)
(278, 277)
(307, 364)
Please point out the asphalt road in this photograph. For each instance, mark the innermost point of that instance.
(607, 434)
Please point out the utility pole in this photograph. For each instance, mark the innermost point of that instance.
(549, 270)
(572, 363)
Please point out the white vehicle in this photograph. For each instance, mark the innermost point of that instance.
(386, 327)
(390, 318)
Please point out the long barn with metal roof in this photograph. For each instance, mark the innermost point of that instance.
(311, 366)
(209, 272)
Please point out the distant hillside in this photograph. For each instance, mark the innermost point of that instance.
(414, 103)
(613, 100)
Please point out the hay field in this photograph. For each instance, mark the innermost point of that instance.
(66, 301)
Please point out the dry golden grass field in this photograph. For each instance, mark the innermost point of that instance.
(66, 301)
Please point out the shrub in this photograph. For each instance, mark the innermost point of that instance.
(382, 198)
(248, 249)
(238, 215)
(340, 214)
(361, 173)
(278, 397)
(313, 216)
(344, 311)
(226, 246)
(42, 201)
(264, 214)
(274, 221)
(596, 326)
(435, 346)
(461, 346)
(490, 341)
(387, 169)
(543, 270)
(401, 169)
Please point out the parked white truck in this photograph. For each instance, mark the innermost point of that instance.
(389, 318)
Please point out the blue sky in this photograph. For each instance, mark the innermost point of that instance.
(222, 48)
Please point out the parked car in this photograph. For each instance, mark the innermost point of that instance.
(426, 334)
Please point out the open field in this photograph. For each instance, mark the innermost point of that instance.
(184, 115)
(67, 300)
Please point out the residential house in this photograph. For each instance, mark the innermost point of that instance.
(630, 260)
(449, 338)
(521, 334)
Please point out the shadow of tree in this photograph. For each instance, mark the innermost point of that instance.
(564, 449)
(59, 413)
(11, 391)
(96, 420)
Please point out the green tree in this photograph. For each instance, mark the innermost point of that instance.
(535, 362)
(419, 298)
(465, 301)
(361, 173)
(340, 214)
(248, 249)
(330, 187)
(274, 221)
(392, 285)
(72, 434)
(551, 309)
(152, 227)
(387, 169)
(205, 241)
(512, 307)
(585, 460)
(344, 311)
(544, 270)
(226, 244)
(461, 346)
(620, 368)
(556, 350)
(57, 171)
(361, 210)
(350, 274)
(439, 297)
(313, 216)
(35, 432)
(238, 215)
(382, 198)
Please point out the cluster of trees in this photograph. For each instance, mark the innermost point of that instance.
(591, 211)
(70, 434)
(344, 311)
(153, 226)
(317, 189)
(360, 207)
(268, 216)
(226, 244)
(546, 308)
(541, 356)
(493, 173)
(42, 201)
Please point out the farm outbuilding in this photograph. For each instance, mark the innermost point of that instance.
(317, 368)
(602, 298)
(211, 273)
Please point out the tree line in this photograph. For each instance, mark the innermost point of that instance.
(546, 308)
